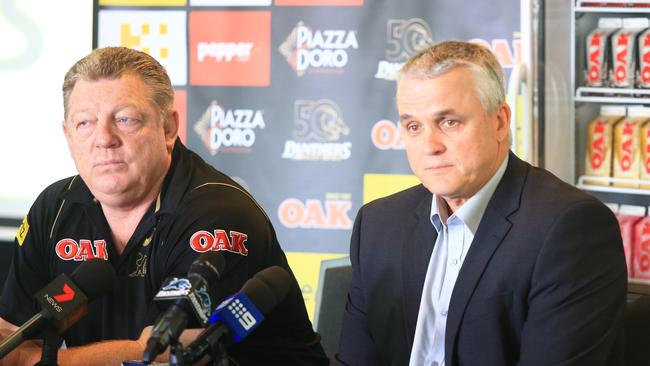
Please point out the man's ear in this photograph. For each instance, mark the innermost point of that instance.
(503, 121)
(171, 128)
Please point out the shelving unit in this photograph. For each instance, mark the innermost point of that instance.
(587, 102)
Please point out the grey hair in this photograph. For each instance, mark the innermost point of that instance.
(445, 56)
(113, 62)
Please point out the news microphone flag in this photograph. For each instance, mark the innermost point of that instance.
(239, 314)
(61, 298)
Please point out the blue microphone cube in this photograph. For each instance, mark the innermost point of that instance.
(239, 314)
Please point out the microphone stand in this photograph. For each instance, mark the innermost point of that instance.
(51, 343)
(209, 342)
(176, 356)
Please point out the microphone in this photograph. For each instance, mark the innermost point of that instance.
(64, 301)
(187, 302)
(238, 315)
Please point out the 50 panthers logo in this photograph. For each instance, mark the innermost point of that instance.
(318, 120)
(318, 129)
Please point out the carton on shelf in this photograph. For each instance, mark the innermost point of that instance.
(598, 159)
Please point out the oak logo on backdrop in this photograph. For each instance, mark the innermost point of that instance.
(508, 52)
(229, 130)
(230, 48)
(318, 50)
(331, 213)
(387, 135)
(404, 38)
(318, 130)
(158, 33)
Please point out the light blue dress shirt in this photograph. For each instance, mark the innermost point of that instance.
(455, 235)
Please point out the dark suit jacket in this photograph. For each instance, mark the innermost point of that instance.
(543, 283)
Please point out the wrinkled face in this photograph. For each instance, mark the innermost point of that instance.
(120, 145)
(452, 144)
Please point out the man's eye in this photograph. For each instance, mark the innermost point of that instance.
(82, 124)
(449, 123)
(126, 120)
(412, 127)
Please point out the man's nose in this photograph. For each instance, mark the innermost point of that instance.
(106, 134)
(433, 141)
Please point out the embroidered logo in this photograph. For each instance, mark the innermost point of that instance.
(68, 249)
(203, 241)
(22, 231)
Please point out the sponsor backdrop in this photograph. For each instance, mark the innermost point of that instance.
(295, 98)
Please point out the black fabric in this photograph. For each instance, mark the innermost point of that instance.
(198, 205)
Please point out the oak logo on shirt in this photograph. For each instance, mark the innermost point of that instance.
(234, 242)
(70, 249)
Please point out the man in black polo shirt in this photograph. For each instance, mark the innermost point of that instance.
(149, 206)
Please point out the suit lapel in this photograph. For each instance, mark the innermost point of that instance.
(491, 231)
(420, 236)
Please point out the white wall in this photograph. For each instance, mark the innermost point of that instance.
(39, 41)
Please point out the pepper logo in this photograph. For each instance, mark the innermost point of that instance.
(322, 51)
(318, 129)
(67, 295)
(229, 130)
(230, 48)
(203, 241)
(69, 249)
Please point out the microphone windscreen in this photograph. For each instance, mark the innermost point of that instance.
(95, 277)
(209, 265)
(267, 288)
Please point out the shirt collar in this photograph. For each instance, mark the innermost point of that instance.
(471, 212)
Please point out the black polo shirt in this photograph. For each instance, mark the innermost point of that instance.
(199, 209)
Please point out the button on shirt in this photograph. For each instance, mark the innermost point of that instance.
(455, 235)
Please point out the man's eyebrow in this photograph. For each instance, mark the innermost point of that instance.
(405, 116)
(444, 112)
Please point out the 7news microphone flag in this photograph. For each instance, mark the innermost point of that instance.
(64, 301)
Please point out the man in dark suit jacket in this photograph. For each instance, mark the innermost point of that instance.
(543, 280)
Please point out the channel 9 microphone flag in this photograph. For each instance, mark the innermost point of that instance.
(239, 315)
(64, 301)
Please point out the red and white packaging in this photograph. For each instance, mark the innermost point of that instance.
(628, 216)
(597, 51)
(643, 72)
(623, 56)
(641, 250)
(644, 146)
(598, 159)
(627, 157)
